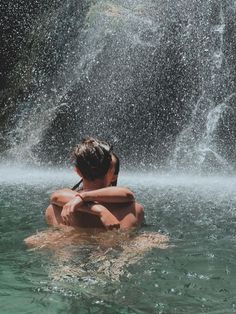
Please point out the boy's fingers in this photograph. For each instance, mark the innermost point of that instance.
(115, 226)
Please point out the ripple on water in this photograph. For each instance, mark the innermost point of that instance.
(194, 273)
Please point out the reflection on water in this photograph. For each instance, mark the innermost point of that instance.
(107, 253)
(195, 273)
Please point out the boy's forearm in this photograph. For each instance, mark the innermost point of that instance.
(106, 217)
(90, 208)
(62, 197)
(108, 195)
(104, 195)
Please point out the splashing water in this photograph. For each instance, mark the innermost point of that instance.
(143, 65)
(197, 146)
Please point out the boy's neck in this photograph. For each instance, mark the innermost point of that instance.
(94, 185)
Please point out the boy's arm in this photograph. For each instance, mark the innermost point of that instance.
(61, 197)
(71, 201)
(106, 217)
(104, 195)
(112, 194)
(58, 216)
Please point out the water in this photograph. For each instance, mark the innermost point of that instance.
(164, 70)
(198, 146)
(194, 273)
(178, 95)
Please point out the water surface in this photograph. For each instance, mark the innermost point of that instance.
(195, 273)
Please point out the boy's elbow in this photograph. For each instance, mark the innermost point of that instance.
(54, 198)
(139, 212)
(129, 195)
(48, 215)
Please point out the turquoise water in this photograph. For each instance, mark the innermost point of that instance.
(194, 273)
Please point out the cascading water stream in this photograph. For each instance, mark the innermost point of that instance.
(161, 70)
(104, 21)
(196, 146)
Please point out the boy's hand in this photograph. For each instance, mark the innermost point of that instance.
(70, 208)
(109, 220)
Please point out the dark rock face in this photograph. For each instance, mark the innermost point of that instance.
(139, 75)
(33, 50)
(17, 19)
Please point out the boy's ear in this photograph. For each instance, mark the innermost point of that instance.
(78, 171)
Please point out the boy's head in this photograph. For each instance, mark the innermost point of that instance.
(92, 159)
(115, 163)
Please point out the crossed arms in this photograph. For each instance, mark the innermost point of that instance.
(114, 207)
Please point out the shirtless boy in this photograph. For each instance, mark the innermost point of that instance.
(97, 205)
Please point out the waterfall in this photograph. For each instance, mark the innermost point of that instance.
(156, 78)
(197, 146)
(88, 82)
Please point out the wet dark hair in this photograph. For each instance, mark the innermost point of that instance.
(117, 166)
(109, 147)
(92, 159)
(117, 169)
